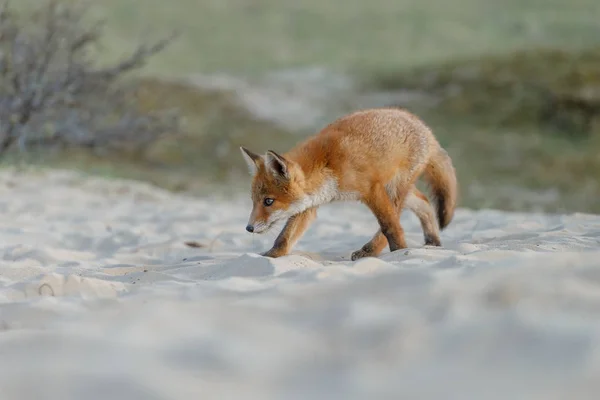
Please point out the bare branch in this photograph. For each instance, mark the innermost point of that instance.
(138, 58)
(47, 78)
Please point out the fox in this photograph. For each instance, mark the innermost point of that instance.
(373, 156)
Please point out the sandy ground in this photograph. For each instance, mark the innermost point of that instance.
(100, 298)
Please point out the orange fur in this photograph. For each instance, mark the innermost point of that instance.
(373, 156)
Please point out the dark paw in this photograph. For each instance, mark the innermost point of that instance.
(432, 241)
(359, 254)
(272, 254)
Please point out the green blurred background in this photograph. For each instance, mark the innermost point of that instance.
(511, 88)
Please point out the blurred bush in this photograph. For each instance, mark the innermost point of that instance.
(557, 91)
(53, 94)
(214, 126)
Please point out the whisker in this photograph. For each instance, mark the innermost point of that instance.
(272, 234)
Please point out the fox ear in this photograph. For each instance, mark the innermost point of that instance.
(277, 164)
(251, 159)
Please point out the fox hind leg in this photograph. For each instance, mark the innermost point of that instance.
(418, 203)
(387, 211)
(372, 248)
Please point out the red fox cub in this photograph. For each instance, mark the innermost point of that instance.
(373, 156)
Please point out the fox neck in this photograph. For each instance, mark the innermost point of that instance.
(320, 189)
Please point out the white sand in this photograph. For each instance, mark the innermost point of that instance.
(101, 299)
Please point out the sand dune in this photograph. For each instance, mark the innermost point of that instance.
(101, 298)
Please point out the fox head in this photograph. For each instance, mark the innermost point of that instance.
(277, 189)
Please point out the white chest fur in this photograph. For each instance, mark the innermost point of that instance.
(328, 192)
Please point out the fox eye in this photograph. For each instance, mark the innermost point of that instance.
(268, 201)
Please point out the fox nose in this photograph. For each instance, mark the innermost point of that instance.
(250, 228)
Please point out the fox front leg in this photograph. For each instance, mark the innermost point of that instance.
(292, 231)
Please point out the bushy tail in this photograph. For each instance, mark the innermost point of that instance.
(441, 176)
